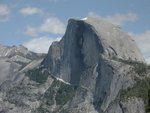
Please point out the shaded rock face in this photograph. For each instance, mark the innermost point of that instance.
(85, 57)
(71, 55)
(86, 72)
(82, 46)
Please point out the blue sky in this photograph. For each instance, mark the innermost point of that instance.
(39, 22)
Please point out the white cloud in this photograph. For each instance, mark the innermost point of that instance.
(30, 11)
(117, 19)
(50, 25)
(40, 45)
(4, 13)
(31, 31)
(53, 25)
(143, 41)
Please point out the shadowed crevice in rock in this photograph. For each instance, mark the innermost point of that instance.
(82, 45)
(68, 58)
(85, 57)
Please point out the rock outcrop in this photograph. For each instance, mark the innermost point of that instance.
(88, 57)
(14, 59)
(84, 42)
(92, 69)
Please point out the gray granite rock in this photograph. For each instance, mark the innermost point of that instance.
(84, 42)
(85, 58)
(86, 73)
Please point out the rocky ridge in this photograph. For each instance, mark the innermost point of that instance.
(84, 42)
(14, 59)
(94, 68)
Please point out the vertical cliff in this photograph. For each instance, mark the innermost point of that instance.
(94, 68)
(84, 43)
(93, 55)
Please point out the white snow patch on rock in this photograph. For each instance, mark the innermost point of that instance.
(62, 80)
(84, 18)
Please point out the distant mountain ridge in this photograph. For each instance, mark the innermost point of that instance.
(13, 59)
(9, 51)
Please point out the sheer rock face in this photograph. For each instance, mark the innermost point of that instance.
(115, 41)
(85, 57)
(89, 79)
(84, 42)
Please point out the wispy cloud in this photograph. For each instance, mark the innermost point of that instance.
(50, 25)
(4, 13)
(40, 45)
(31, 31)
(143, 41)
(30, 11)
(118, 18)
(53, 25)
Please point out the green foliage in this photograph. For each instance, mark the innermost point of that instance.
(139, 67)
(49, 94)
(140, 90)
(16, 94)
(147, 108)
(64, 94)
(65, 111)
(41, 110)
(37, 75)
(16, 102)
(59, 92)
